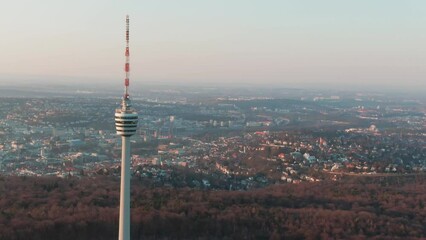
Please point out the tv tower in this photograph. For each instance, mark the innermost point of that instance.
(126, 122)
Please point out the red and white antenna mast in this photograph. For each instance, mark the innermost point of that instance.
(127, 65)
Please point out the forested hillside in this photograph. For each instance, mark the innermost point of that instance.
(353, 208)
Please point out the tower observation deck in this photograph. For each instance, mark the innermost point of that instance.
(126, 119)
(126, 122)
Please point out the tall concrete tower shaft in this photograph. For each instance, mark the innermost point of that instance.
(126, 122)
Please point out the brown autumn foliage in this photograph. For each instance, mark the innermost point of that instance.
(353, 208)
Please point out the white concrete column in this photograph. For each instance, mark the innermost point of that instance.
(124, 230)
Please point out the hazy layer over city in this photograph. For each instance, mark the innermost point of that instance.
(341, 44)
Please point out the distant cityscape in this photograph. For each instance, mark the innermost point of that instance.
(197, 138)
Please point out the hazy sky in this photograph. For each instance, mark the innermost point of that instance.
(367, 42)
